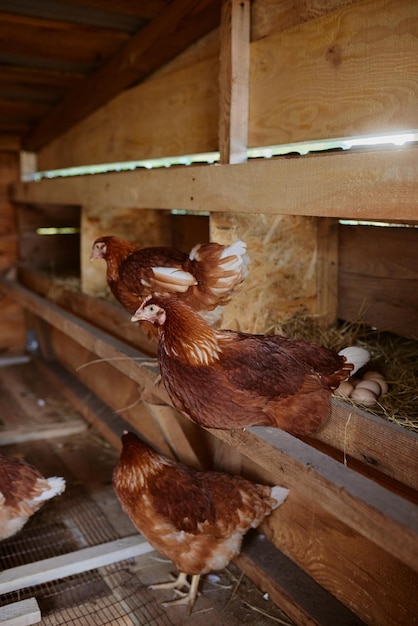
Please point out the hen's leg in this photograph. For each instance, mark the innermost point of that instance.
(189, 597)
(178, 583)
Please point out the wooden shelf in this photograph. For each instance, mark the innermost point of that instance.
(366, 185)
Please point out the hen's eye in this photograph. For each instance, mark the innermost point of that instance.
(151, 308)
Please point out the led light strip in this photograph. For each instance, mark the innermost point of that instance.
(302, 148)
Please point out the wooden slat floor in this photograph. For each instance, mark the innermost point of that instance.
(88, 514)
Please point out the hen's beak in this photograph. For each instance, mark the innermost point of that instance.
(137, 317)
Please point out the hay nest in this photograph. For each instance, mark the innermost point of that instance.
(395, 357)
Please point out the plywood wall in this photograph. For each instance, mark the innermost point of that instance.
(145, 228)
(282, 279)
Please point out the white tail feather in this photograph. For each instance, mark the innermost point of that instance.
(56, 486)
(279, 494)
(355, 355)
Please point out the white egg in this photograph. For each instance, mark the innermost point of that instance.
(379, 379)
(372, 374)
(372, 385)
(383, 385)
(364, 396)
(345, 388)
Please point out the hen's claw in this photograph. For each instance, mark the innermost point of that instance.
(178, 584)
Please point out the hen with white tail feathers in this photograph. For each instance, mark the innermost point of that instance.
(197, 519)
(205, 279)
(23, 490)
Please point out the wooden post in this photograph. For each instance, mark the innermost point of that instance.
(233, 81)
(233, 128)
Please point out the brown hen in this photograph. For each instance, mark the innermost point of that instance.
(23, 490)
(228, 379)
(196, 519)
(206, 278)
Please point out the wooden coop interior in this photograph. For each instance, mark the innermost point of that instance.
(173, 122)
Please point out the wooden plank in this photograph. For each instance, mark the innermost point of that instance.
(22, 613)
(148, 9)
(370, 185)
(40, 77)
(22, 111)
(100, 343)
(381, 289)
(296, 593)
(48, 39)
(374, 441)
(72, 563)
(105, 315)
(166, 418)
(73, 427)
(96, 412)
(269, 17)
(190, 122)
(180, 24)
(10, 142)
(326, 271)
(344, 52)
(382, 517)
(234, 81)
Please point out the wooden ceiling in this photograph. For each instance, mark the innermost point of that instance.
(61, 60)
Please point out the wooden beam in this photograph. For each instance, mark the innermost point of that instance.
(384, 518)
(297, 594)
(368, 185)
(60, 429)
(179, 25)
(373, 441)
(24, 35)
(72, 563)
(147, 9)
(327, 271)
(21, 613)
(9, 142)
(234, 81)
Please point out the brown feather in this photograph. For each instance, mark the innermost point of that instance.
(213, 277)
(227, 379)
(196, 519)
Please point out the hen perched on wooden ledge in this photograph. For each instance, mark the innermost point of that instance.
(206, 278)
(23, 490)
(196, 519)
(228, 379)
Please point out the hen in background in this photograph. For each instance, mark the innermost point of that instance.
(206, 278)
(196, 519)
(23, 490)
(228, 379)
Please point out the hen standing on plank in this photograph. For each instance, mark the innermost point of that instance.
(23, 490)
(228, 379)
(205, 279)
(196, 519)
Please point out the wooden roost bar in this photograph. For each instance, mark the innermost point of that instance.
(332, 234)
